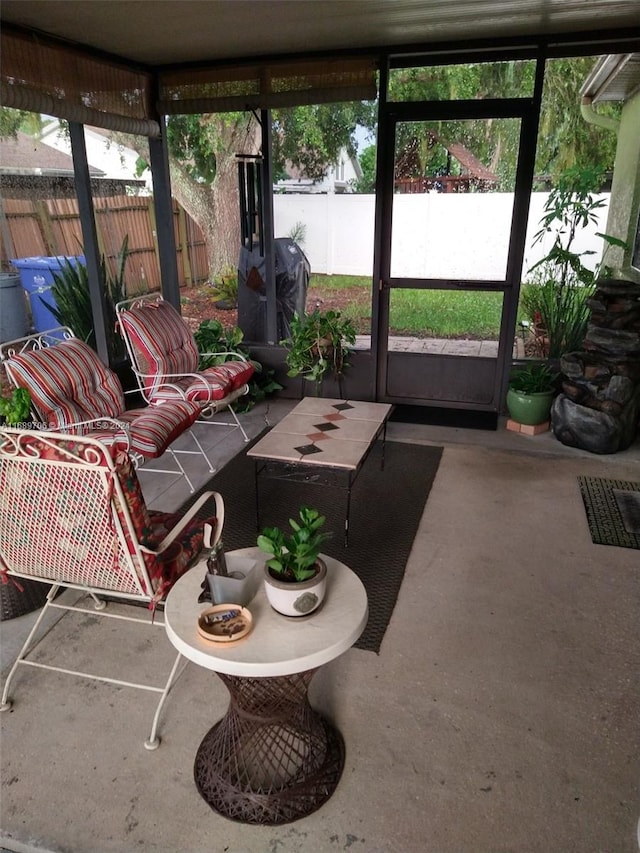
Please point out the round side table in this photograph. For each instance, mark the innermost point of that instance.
(272, 758)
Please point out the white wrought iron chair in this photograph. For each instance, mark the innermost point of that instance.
(165, 360)
(71, 390)
(74, 517)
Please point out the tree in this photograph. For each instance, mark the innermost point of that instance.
(11, 121)
(203, 165)
(367, 183)
(564, 139)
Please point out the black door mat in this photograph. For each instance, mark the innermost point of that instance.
(386, 508)
(613, 511)
(435, 416)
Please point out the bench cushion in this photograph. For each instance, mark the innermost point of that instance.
(68, 383)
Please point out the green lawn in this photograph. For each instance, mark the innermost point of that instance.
(424, 313)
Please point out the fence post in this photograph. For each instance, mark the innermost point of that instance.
(46, 229)
(184, 246)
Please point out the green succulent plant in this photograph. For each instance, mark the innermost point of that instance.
(293, 555)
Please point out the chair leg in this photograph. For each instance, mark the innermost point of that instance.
(153, 741)
(201, 449)
(5, 702)
(241, 428)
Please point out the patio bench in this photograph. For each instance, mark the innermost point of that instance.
(72, 391)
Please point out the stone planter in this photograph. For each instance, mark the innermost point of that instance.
(296, 598)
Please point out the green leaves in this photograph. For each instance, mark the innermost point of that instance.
(212, 337)
(294, 555)
(560, 300)
(17, 408)
(70, 291)
(533, 379)
(317, 345)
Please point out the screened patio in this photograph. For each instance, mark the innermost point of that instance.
(501, 712)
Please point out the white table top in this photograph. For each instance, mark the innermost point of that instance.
(276, 645)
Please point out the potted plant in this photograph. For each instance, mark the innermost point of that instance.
(531, 392)
(16, 409)
(557, 296)
(318, 346)
(212, 337)
(73, 302)
(295, 576)
(225, 289)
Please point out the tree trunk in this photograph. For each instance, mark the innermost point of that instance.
(214, 207)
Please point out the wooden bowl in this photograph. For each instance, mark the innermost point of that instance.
(224, 623)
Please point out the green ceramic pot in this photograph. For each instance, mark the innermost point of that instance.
(529, 409)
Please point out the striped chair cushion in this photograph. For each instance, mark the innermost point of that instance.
(163, 346)
(153, 429)
(161, 341)
(214, 383)
(68, 383)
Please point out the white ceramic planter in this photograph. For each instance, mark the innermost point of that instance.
(296, 599)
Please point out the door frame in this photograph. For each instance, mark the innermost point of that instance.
(390, 113)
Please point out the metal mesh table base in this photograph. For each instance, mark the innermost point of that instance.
(272, 759)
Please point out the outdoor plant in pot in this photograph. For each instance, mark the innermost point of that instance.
(531, 392)
(295, 577)
(317, 346)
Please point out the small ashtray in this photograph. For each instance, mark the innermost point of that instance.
(224, 623)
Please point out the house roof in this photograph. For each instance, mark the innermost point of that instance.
(185, 31)
(615, 77)
(24, 155)
(469, 161)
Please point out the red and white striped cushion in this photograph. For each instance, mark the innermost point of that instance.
(163, 346)
(68, 383)
(153, 429)
(161, 341)
(214, 383)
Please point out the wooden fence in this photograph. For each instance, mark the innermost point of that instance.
(52, 227)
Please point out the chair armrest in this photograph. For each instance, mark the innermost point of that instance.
(237, 356)
(186, 518)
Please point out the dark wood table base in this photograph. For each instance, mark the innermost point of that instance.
(272, 759)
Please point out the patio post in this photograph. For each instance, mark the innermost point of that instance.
(89, 238)
(163, 205)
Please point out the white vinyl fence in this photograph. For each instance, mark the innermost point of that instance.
(462, 235)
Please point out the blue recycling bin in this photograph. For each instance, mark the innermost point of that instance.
(36, 277)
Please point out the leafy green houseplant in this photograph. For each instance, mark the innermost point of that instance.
(295, 576)
(225, 289)
(531, 392)
(318, 346)
(16, 408)
(217, 343)
(556, 299)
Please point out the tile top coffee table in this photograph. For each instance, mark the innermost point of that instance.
(272, 758)
(321, 435)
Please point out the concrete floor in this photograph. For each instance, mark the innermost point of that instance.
(500, 715)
